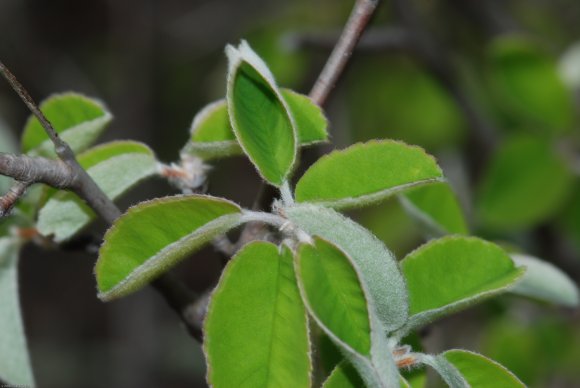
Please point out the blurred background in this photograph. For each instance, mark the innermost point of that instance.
(491, 88)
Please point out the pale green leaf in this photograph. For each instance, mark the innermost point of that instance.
(212, 135)
(544, 281)
(256, 330)
(437, 208)
(15, 367)
(154, 235)
(336, 298)
(115, 167)
(365, 173)
(480, 371)
(79, 120)
(259, 115)
(378, 267)
(448, 372)
(525, 183)
(527, 84)
(452, 273)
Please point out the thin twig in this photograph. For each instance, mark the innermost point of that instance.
(8, 200)
(354, 28)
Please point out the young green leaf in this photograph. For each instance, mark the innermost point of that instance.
(437, 208)
(480, 371)
(365, 173)
(259, 115)
(115, 167)
(79, 120)
(15, 367)
(544, 281)
(154, 235)
(335, 296)
(452, 273)
(343, 376)
(256, 329)
(378, 267)
(448, 372)
(526, 182)
(527, 84)
(212, 135)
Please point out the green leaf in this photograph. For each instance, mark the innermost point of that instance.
(527, 84)
(212, 135)
(256, 329)
(154, 235)
(115, 167)
(480, 371)
(259, 115)
(544, 281)
(365, 173)
(452, 273)
(335, 296)
(525, 183)
(448, 372)
(378, 267)
(343, 376)
(79, 120)
(437, 208)
(15, 367)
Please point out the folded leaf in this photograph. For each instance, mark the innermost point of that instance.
(437, 208)
(545, 281)
(256, 330)
(480, 371)
(365, 173)
(378, 267)
(335, 296)
(15, 367)
(212, 135)
(452, 273)
(154, 235)
(79, 120)
(259, 115)
(448, 372)
(115, 167)
(526, 182)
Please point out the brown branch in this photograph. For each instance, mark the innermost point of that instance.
(8, 200)
(359, 18)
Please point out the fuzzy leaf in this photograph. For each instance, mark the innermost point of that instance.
(79, 120)
(527, 84)
(212, 135)
(378, 267)
(154, 235)
(259, 115)
(545, 281)
(256, 330)
(336, 298)
(365, 173)
(115, 167)
(448, 372)
(437, 208)
(480, 371)
(452, 273)
(526, 182)
(15, 367)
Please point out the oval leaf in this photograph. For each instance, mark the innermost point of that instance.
(436, 207)
(480, 371)
(259, 115)
(452, 273)
(154, 235)
(115, 167)
(525, 183)
(15, 367)
(378, 267)
(546, 282)
(79, 120)
(256, 330)
(365, 173)
(212, 135)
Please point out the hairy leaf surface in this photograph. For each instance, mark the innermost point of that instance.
(480, 371)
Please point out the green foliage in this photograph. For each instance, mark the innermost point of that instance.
(256, 315)
(366, 173)
(79, 120)
(343, 376)
(481, 372)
